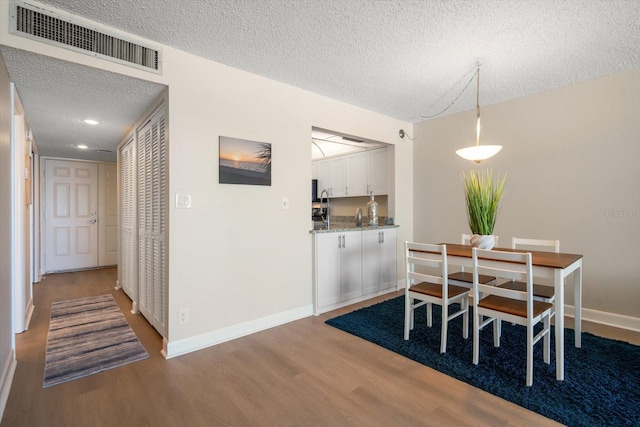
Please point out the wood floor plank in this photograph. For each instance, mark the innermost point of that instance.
(304, 373)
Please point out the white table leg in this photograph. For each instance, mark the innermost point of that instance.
(558, 282)
(577, 298)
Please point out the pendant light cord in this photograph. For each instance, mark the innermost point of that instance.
(478, 105)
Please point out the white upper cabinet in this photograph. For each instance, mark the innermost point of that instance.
(324, 175)
(339, 187)
(353, 175)
(356, 171)
(377, 171)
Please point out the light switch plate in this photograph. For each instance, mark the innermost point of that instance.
(285, 202)
(183, 201)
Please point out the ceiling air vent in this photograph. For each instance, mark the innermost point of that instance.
(49, 27)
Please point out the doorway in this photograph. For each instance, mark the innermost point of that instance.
(80, 221)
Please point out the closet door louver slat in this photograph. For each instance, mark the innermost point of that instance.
(152, 216)
(128, 220)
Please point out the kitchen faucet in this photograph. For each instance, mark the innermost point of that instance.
(328, 218)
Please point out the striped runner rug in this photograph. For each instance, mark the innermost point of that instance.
(87, 336)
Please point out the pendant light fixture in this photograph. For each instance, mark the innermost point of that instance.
(478, 152)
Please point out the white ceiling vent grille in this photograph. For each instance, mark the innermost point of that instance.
(48, 27)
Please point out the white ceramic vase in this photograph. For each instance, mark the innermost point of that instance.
(481, 241)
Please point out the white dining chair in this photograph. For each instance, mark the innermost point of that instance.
(542, 290)
(492, 304)
(465, 278)
(427, 283)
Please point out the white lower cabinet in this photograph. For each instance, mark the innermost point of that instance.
(343, 272)
(337, 267)
(378, 260)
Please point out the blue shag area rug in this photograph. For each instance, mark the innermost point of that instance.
(602, 379)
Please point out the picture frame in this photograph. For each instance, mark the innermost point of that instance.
(244, 162)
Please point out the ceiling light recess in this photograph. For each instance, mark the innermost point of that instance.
(82, 146)
(478, 152)
(91, 122)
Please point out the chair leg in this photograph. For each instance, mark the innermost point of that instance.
(413, 310)
(408, 316)
(477, 319)
(529, 354)
(429, 314)
(497, 326)
(465, 318)
(443, 330)
(546, 341)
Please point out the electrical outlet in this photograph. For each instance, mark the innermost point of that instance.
(183, 316)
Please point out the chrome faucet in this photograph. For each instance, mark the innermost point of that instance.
(328, 214)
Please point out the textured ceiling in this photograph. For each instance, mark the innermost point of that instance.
(58, 95)
(406, 59)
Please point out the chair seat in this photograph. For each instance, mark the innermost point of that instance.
(512, 306)
(463, 276)
(435, 289)
(540, 291)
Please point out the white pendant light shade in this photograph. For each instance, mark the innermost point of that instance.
(478, 153)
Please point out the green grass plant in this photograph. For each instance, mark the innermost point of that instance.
(483, 199)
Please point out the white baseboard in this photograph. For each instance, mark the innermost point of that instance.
(605, 318)
(6, 380)
(29, 314)
(198, 342)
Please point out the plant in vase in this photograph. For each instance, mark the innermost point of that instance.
(483, 195)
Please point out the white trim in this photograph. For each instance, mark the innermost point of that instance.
(351, 301)
(29, 314)
(605, 318)
(198, 342)
(6, 380)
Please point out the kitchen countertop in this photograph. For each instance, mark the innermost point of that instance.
(348, 224)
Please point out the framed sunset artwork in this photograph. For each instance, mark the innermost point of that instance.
(244, 162)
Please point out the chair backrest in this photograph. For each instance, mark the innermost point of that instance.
(432, 259)
(535, 244)
(507, 265)
(465, 239)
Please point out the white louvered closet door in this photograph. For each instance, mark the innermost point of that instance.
(152, 219)
(128, 221)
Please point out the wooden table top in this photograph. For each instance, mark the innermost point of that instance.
(538, 258)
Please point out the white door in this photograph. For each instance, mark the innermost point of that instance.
(351, 265)
(356, 175)
(328, 287)
(71, 215)
(108, 214)
(371, 261)
(127, 268)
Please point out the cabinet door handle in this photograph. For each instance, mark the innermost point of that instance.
(382, 236)
(339, 244)
(343, 246)
(346, 189)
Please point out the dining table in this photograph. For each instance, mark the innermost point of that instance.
(553, 266)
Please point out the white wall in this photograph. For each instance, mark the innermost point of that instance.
(571, 155)
(7, 350)
(237, 261)
(236, 256)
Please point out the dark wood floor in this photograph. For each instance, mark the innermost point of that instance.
(304, 373)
